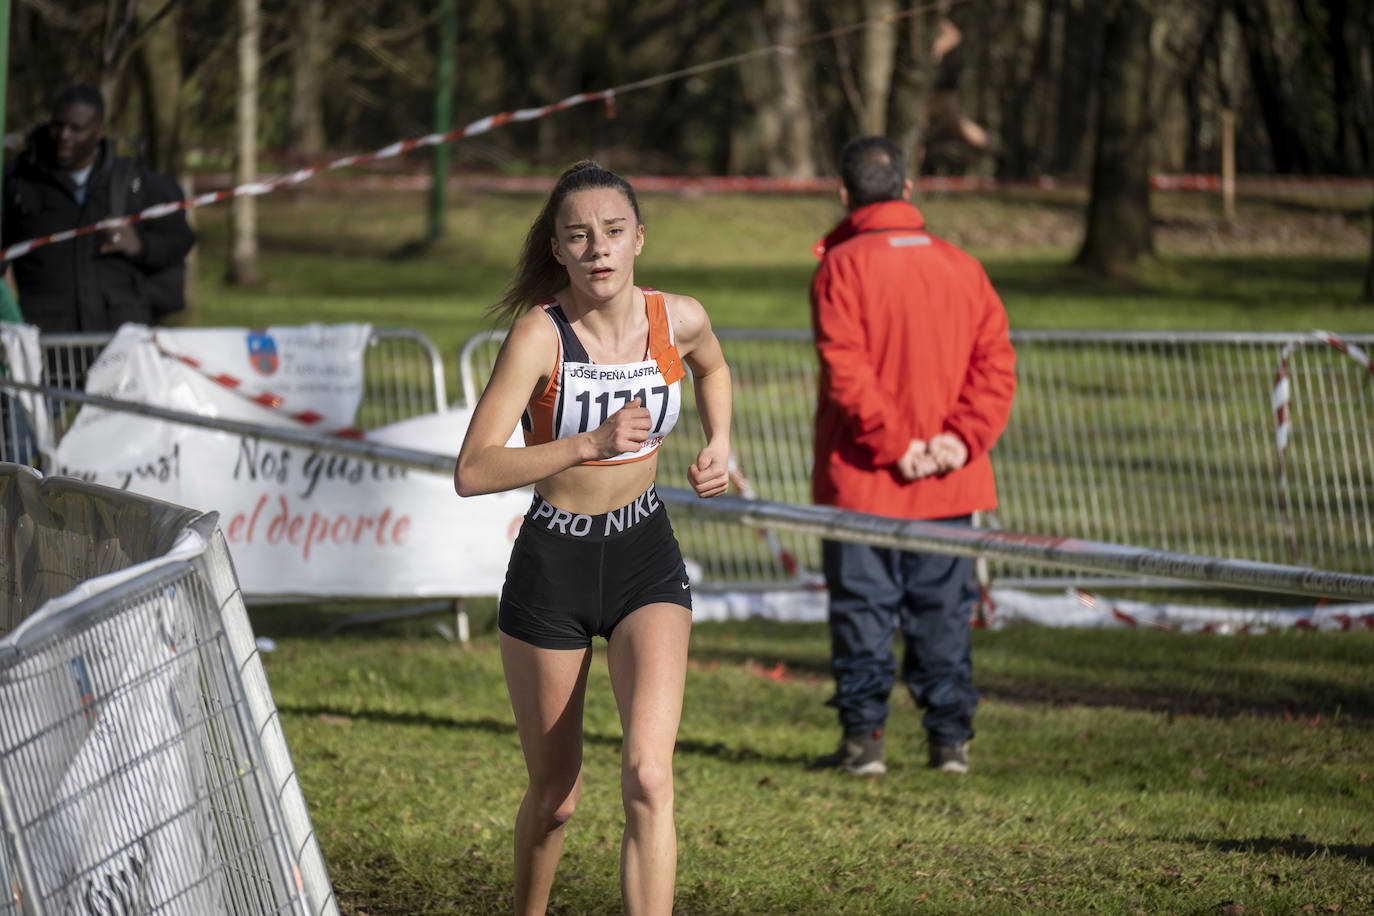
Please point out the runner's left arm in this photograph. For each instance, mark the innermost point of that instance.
(700, 350)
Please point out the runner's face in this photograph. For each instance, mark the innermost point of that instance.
(76, 130)
(596, 237)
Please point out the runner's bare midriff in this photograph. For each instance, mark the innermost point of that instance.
(594, 489)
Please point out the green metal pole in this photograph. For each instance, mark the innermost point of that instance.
(9, 309)
(4, 77)
(443, 112)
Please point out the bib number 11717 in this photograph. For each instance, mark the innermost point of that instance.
(625, 396)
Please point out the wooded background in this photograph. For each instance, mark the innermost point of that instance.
(351, 75)
(1107, 91)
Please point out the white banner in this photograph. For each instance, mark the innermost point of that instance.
(298, 521)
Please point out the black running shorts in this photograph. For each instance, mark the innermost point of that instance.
(572, 576)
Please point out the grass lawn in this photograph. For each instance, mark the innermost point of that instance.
(1115, 771)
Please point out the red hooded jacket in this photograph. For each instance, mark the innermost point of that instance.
(913, 342)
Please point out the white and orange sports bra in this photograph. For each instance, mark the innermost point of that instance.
(581, 394)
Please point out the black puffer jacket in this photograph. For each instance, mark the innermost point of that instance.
(70, 286)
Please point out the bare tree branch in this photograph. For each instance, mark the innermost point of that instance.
(369, 40)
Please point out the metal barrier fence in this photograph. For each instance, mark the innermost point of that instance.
(142, 763)
(1166, 440)
(1143, 563)
(403, 377)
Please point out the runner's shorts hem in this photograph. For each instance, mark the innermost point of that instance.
(573, 576)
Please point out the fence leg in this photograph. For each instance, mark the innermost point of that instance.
(461, 623)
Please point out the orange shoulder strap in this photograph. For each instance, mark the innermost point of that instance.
(661, 346)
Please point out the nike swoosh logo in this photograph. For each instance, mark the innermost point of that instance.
(686, 585)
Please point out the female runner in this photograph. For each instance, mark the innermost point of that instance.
(592, 370)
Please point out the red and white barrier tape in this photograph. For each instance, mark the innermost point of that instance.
(1281, 400)
(1212, 620)
(262, 398)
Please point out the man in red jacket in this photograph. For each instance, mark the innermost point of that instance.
(916, 383)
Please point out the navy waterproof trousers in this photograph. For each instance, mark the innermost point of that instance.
(876, 592)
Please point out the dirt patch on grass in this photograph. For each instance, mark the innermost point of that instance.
(1315, 712)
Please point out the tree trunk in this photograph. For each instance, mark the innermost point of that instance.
(189, 317)
(114, 51)
(124, 31)
(797, 133)
(775, 132)
(876, 58)
(1119, 228)
(309, 52)
(159, 66)
(1352, 140)
(756, 135)
(1026, 62)
(1368, 293)
(1078, 90)
(1052, 44)
(243, 230)
(913, 76)
(1267, 77)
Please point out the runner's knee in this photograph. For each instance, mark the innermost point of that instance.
(556, 801)
(647, 784)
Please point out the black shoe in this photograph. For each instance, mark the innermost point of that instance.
(949, 758)
(858, 755)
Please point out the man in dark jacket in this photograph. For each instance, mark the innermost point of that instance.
(65, 179)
